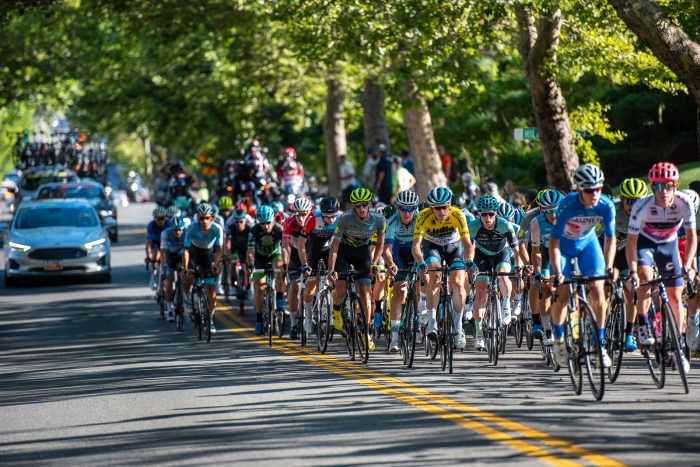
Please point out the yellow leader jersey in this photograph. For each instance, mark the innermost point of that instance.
(451, 230)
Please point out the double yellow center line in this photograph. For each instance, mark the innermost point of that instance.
(515, 435)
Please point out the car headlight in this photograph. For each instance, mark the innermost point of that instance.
(92, 245)
(18, 246)
(106, 213)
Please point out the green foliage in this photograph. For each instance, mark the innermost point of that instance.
(13, 119)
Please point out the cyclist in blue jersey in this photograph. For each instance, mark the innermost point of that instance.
(397, 254)
(574, 236)
(204, 241)
(153, 231)
(172, 245)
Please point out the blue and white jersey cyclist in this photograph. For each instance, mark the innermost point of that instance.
(172, 246)
(204, 241)
(397, 255)
(514, 216)
(574, 237)
(153, 231)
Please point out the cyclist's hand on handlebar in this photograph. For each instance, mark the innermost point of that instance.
(422, 266)
(537, 278)
(374, 269)
(306, 270)
(284, 268)
(558, 279)
(393, 270)
(215, 268)
(528, 269)
(332, 276)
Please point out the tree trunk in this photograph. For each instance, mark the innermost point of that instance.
(538, 46)
(373, 119)
(334, 133)
(421, 141)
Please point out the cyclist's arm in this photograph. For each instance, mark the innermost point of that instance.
(302, 250)
(333, 254)
(250, 256)
(555, 256)
(378, 249)
(185, 257)
(468, 249)
(691, 237)
(609, 248)
(388, 259)
(536, 240)
(416, 250)
(148, 247)
(536, 259)
(286, 251)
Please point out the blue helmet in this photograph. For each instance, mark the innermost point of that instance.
(506, 211)
(549, 198)
(439, 195)
(215, 209)
(176, 223)
(239, 214)
(265, 214)
(518, 216)
(487, 203)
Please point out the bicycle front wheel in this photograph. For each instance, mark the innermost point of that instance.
(324, 319)
(592, 350)
(179, 309)
(361, 330)
(674, 343)
(572, 346)
(615, 339)
(197, 315)
(206, 316)
(269, 314)
(410, 329)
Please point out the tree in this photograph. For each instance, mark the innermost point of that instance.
(334, 132)
(373, 118)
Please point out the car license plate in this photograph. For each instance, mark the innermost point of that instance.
(53, 266)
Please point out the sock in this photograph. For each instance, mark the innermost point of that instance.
(431, 316)
(395, 329)
(479, 331)
(517, 297)
(378, 306)
(547, 321)
(308, 306)
(258, 317)
(336, 307)
(279, 295)
(422, 299)
(643, 320)
(536, 319)
(558, 331)
(170, 306)
(601, 333)
(293, 318)
(505, 302)
(457, 318)
(695, 319)
(629, 328)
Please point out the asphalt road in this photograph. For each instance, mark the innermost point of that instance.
(90, 376)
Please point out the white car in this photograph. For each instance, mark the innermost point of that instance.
(57, 237)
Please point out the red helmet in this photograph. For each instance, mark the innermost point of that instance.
(289, 152)
(663, 172)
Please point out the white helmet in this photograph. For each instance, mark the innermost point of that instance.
(302, 205)
(588, 176)
(694, 198)
(407, 198)
(204, 209)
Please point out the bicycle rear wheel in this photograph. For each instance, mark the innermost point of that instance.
(225, 281)
(269, 314)
(300, 320)
(179, 309)
(674, 343)
(324, 319)
(197, 315)
(592, 350)
(206, 316)
(615, 339)
(518, 331)
(572, 346)
(410, 329)
(349, 329)
(361, 329)
(280, 322)
(449, 334)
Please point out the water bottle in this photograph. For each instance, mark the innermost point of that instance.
(573, 317)
(656, 321)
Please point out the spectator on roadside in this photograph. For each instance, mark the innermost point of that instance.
(491, 189)
(510, 189)
(531, 196)
(401, 179)
(519, 201)
(383, 179)
(368, 169)
(486, 178)
(348, 182)
(408, 161)
(471, 189)
(446, 161)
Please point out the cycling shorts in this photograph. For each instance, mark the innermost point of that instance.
(204, 259)
(357, 256)
(546, 264)
(488, 263)
(404, 260)
(452, 253)
(294, 266)
(314, 256)
(620, 262)
(171, 262)
(589, 255)
(666, 257)
(239, 254)
(154, 247)
(261, 262)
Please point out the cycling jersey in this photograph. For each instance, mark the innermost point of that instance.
(205, 241)
(153, 233)
(239, 240)
(265, 244)
(575, 222)
(291, 230)
(658, 224)
(219, 220)
(399, 234)
(451, 230)
(352, 231)
(540, 231)
(317, 233)
(172, 244)
(526, 223)
(621, 222)
(249, 221)
(492, 242)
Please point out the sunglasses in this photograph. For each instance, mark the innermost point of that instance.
(301, 213)
(627, 201)
(330, 216)
(487, 214)
(669, 186)
(266, 223)
(225, 210)
(441, 208)
(550, 211)
(159, 219)
(242, 221)
(361, 205)
(205, 218)
(407, 208)
(590, 191)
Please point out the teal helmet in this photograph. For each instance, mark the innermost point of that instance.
(487, 203)
(265, 214)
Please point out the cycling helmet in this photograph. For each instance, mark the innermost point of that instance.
(407, 198)
(214, 209)
(633, 188)
(375, 200)
(265, 214)
(487, 203)
(518, 217)
(289, 152)
(225, 202)
(459, 201)
(278, 207)
(549, 198)
(329, 205)
(302, 205)
(439, 195)
(389, 211)
(470, 204)
(176, 223)
(239, 214)
(588, 176)
(694, 198)
(254, 143)
(160, 212)
(380, 210)
(506, 211)
(173, 211)
(204, 209)
(663, 172)
(361, 195)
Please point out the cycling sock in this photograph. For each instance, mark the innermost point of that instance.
(457, 318)
(258, 317)
(547, 321)
(536, 319)
(431, 316)
(479, 330)
(170, 306)
(695, 318)
(643, 320)
(629, 328)
(336, 307)
(517, 296)
(279, 295)
(558, 331)
(293, 318)
(505, 303)
(395, 329)
(422, 299)
(601, 333)
(308, 306)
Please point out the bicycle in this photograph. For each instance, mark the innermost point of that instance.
(300, 314)
(581, 337)
(160, 294)
(522, 328)
(241, 283)
(409, 318)
(200, 306)
(324, 309)
(446, 327)
(179, 301)
(271, 321)
(354, 320)
(225, 285)
(614, 336)
(547, 350)
(667, 348)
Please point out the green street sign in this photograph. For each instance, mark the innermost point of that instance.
(530, 134)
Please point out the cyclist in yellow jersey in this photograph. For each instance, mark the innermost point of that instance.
(441, 233)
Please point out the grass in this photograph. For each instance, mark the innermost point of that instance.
(689, 173)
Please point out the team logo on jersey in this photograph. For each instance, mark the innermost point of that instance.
(267, 241)
(653, 212)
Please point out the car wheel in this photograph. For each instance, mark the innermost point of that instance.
(11, 281)
(105, 278)
(114, 236)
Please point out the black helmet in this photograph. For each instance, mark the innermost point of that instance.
(389, 211)
(329, 205)
(459, 201)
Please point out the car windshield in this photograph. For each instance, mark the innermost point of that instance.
(83, 191)
(32, 182)
(56, 216)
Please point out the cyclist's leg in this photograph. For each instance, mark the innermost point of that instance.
(620, 263)
(294, 274)
(646, 250)
(279, 283)
(592, 263)
(259, 289)
(378, 294)
(484, 263)
(233, 271)
(558, 308)
(432, 255)
(342, 265)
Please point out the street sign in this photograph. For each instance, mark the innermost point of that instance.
(530, 134)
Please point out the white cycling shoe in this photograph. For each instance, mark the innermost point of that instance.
(460, 340)
(479, 343)
(645, 335)
(394, 346)
(692, 334)
(607, 363)
(431, 331)
(561, 355)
